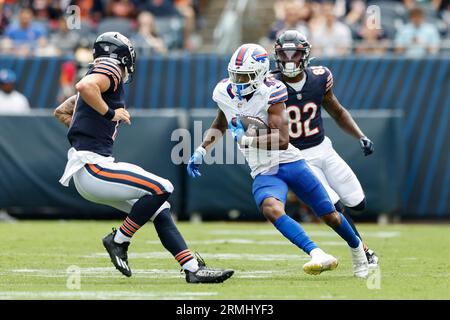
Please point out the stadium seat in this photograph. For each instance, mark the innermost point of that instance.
(170, 29)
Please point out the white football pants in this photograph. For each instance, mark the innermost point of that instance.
(119, 185)
(335, 174)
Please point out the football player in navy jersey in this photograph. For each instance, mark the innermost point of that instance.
(93, 117)
(309, 89)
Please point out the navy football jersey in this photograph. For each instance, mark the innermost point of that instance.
(89, 130)
(304, 107)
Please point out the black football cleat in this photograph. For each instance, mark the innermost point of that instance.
(205, 274)
(372, 258)
(118, 253)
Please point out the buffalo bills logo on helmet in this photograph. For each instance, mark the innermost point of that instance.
(260, 55)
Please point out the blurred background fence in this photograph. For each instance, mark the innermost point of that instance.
(33, 155)
(416, 88)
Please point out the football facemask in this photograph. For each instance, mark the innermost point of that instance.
(291, 61)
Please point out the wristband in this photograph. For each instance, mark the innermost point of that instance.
(201, 150)
(110, 114)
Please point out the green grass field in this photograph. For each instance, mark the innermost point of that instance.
(34, 258)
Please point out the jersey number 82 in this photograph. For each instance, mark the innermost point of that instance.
(297, 127)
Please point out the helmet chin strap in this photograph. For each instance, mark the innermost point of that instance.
(238, 92)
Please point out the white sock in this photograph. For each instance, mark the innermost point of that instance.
(358, 248)
(121, 238)
(191, 265)
(315, 252)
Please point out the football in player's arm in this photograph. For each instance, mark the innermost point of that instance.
(276, 139)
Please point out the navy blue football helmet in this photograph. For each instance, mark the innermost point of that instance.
(116, 46)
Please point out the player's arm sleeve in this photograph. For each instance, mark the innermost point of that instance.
(113, 73)
(215, 94)
(328, 79)
(278, 94)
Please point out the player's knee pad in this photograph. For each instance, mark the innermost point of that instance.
(164, 206)
(360, 206)
(168, 186)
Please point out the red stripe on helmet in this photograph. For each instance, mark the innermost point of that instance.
(240, 56)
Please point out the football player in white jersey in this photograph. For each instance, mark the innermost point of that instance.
(276, 165)
(310, 89)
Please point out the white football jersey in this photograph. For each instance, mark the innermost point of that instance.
(270, 92)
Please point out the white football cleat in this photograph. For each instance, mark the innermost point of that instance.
(359, 259)
(320, 262)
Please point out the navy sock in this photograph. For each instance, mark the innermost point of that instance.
(141, 212)
(295, 233)
(346, 232)
(171, 238)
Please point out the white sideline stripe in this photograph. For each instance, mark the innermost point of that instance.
(252, 242)
(102, 294)
(251, 232)
(102, 272)
(228, 256)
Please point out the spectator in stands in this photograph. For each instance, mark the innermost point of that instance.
(417, 37)
(67, 80)
(5, 15)
(64, 39)
(181, 10)
(90, 10)
(373, 40)
(146, 40)
(11, 101)
(160, 8)
(292, 19)
(121, 9)
(185, 8)
(329, 36)
(355, 16)
(47, 10)
(24, 35)
(444, 13)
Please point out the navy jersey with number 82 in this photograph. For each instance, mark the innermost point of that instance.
(304, 107)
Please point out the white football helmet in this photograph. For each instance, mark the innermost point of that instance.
(248, 68)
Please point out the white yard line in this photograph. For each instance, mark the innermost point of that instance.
(102, 272)
(98, 272)
(219, 256)
(249, 242)
(102, 295)
(252, 232)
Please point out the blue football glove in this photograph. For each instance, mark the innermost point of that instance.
(195, 160)
(237, 131)
(366, 145)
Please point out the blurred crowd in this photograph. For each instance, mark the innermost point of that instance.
(338, 27)
(59, 27)
(68, 28)
(408, 27)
